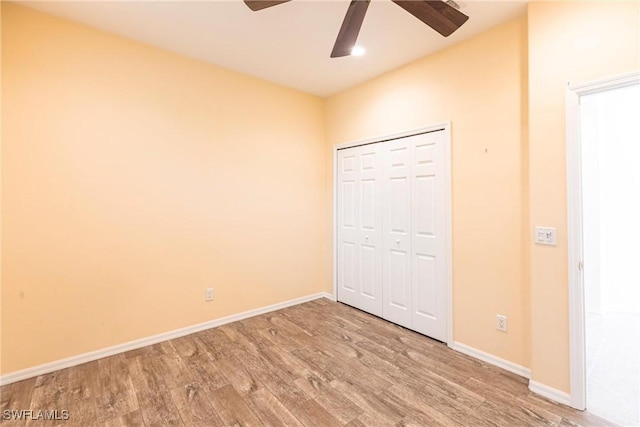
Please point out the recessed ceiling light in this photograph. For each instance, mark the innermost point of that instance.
(358, 51)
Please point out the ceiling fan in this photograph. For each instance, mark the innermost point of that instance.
(437, 14)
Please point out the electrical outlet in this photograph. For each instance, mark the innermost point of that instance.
(208, 294)
(501, 322)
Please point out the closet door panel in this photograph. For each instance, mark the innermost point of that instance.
(360, 228)
(427, 235)
(347, 245)
(369, 229)
(397, 232)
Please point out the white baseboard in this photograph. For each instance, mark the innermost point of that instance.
(550, 393)
(143, 342)
(329, 296)
(490, 358)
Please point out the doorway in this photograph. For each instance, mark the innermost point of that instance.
(606, 241)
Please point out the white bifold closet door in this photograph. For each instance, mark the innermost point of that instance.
(360, 228)
(399, 193)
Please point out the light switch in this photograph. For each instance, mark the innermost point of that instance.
(545, 236)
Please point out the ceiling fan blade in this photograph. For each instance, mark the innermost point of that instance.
(348, 34)
(262, 4)
(437, 14)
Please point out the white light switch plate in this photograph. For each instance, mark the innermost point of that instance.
(545, 236)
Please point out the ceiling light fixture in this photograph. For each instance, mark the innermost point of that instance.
(358, 51)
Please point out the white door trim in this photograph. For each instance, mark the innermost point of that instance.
(574, 227)
(446, 128)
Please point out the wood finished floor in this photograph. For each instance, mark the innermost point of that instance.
(316, 364)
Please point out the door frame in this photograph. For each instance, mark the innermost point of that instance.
(577, 343)
(446, 128)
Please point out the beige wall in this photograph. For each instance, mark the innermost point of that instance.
(480, 86)
(134, 179)
(0, 189)
(577, 43)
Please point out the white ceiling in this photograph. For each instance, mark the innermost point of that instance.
(288, 44)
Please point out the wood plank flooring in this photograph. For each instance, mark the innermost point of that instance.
(316, 364)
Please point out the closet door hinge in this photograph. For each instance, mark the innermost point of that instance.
(581, 265)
